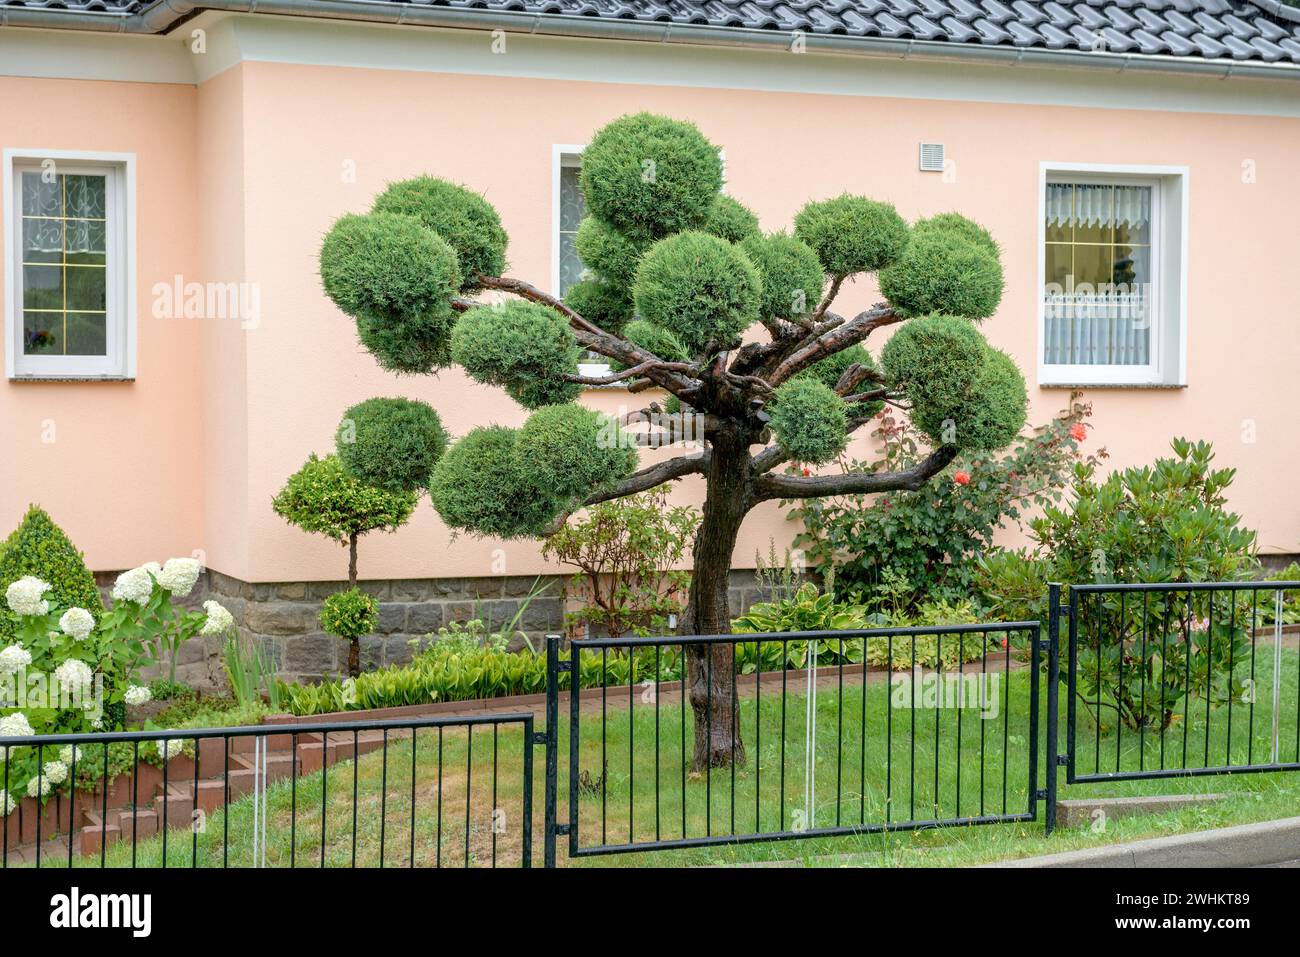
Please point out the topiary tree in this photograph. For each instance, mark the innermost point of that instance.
(40, 548)
(685, 295)
(323, 497)
(350, 615)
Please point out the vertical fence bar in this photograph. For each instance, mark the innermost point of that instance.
(552, 744)
(1053, 694)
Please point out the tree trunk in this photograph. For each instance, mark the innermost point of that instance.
(354, 657)
(711, 668)
(354, 644)
(352, 561)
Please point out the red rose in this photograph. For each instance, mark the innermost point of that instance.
(1078, 432)
(962, 478)
(807, 472)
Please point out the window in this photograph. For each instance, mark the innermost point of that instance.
(1111, 267)
(570, 208)
(69, 309)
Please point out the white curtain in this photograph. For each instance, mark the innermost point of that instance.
(1109, 323)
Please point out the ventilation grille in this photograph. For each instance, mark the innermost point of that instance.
(932, 157)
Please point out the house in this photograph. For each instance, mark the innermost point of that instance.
(169, 170)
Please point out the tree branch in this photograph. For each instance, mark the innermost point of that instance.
(631, 373)
(854, 483)
(642, 481)
(816, 347)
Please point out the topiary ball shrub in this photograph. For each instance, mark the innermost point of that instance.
(396, 279)
(809, 420)
(944, 271)
(349, 614)
(999, 405)
(731, 220)
(650, 176)
(609, 253)
(698, 287)
(463, 218)
(959, 225)
(574, 450)
(852, 234)
(324, 497)
(482, 486)
(40, 548)
(601, 303)
(828, 371)
(523, 347)
(392, 444)
(936, 360)
(792, 275)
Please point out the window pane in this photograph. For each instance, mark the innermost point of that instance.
(85, 285)
(1094, 213)
(87, 334)
(573, 208)
(42, 240)
(1133, 214)
(42, 333)
(1060, 212)
(86, 243)
(42, 287)
(41, 198)
(83, 197)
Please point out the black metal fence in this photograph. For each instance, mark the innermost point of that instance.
(1182, 680)
(824, 738)
(421, 792)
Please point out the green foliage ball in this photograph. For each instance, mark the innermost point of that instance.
(699, 287)
(792, 275)
(349, 614)
(828, 371)
(602, 303)
(574, 450)
(650, 175)
(483, 486)
(523, 347)
(999, 405)
(323, 497)
(852, 234)
(610, 253)
(391, 444)
(40, 548)
(959, 225)
(460, 216)
(396, 279)
(809, 421)
(731, 220)
(944, 271)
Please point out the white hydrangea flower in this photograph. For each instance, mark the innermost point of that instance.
(219, 619)
(179, 575)
(169, 749)
(97, 723)
(138, 694)
(26, 596)
(14, 659)
(56, 772)
(7, 804)
(15, 725)
(77, 622)
(153, 568)
(73, 675)
(135, 585)
(41, 784)
(70, 754)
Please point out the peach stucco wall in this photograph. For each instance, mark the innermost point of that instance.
(119, 464)
(189, 456)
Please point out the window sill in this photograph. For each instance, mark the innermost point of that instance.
(1113, 385)
(71, 378)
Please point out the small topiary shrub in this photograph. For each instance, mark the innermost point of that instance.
(523, 347)
(828, 371)
(999, 405)
(396, 279)
(943, 270)
(731, 220)
(611, 254)
(809, 421)
(852, 234)
(791, 273)
(481, 486)
(698, 287)
(391, 444)
(957, 224)
(39, 548)
(650, 175)
(574, 451)
(463, 218)
(350, 615)
(606, 305)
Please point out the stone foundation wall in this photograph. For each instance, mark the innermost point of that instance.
(284, 617)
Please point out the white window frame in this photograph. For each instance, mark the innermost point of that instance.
(120, 301)
(562, 155)
(1168, 347)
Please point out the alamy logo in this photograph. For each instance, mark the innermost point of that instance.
(132, 911)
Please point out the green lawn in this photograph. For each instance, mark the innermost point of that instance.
(850, 763)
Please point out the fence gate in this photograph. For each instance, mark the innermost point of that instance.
(1180, 680)
(807, 741)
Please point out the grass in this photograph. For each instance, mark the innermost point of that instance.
(870, 767)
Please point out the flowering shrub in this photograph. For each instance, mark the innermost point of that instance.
(65, 672)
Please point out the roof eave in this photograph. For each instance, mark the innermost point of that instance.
(161, 16)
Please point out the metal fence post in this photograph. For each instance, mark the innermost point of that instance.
(552, 744)
(1053, 698)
